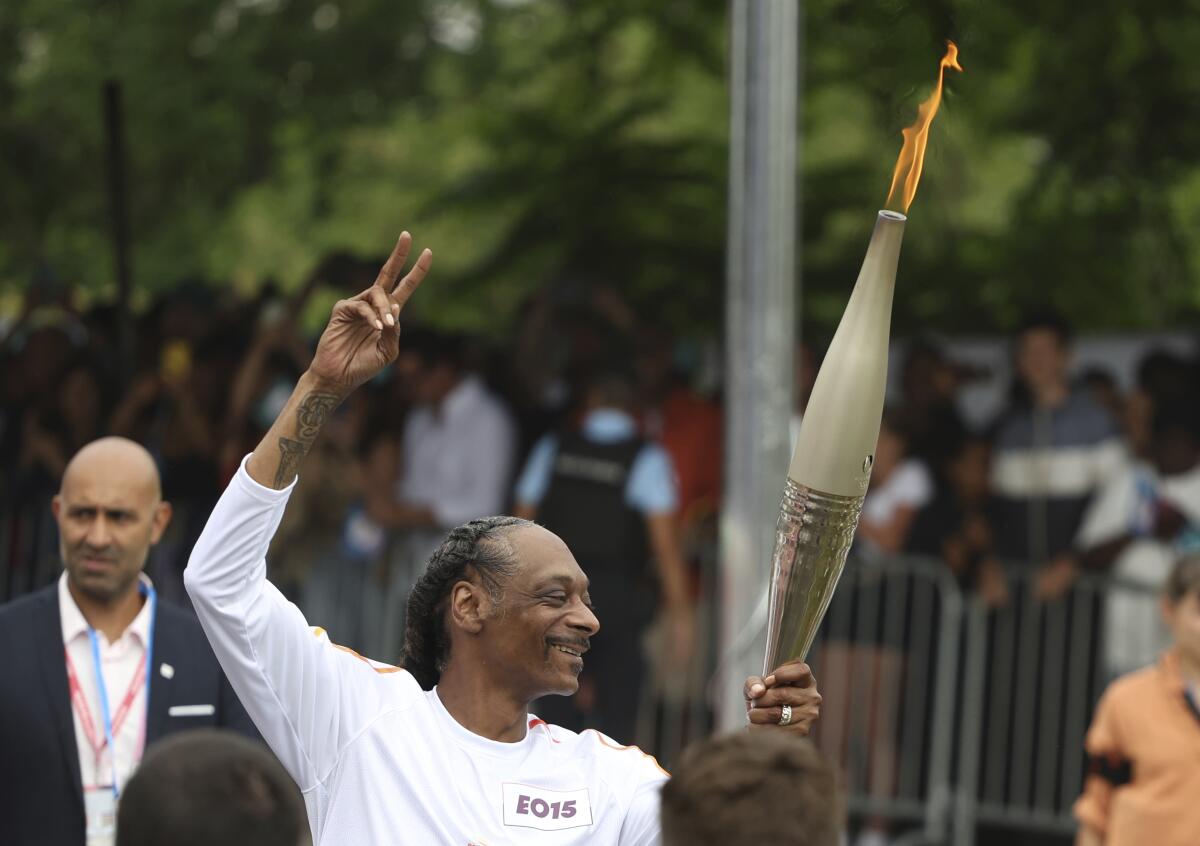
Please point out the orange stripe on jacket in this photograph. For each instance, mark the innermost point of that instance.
(614, 745)
(318, 631)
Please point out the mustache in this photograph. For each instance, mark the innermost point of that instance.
(580, 645)
(103, 552)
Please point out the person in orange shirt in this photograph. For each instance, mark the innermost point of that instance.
(1144, 743)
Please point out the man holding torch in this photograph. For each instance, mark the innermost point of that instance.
(442, 749)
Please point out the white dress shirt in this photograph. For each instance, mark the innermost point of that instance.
(119, 661)
(458, 457)
(378, 759)
(457, 461)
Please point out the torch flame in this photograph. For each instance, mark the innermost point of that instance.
(912, 154)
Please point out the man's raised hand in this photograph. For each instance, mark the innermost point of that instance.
(363, 335)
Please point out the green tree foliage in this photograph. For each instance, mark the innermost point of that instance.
(574, 142)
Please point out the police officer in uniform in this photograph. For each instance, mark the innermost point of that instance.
(611, 495)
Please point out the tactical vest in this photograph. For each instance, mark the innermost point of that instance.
(585, 506)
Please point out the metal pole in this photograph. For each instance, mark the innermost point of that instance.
(114, 131)
(760, 326)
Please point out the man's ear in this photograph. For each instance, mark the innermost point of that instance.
(162, 517)
(468, 606)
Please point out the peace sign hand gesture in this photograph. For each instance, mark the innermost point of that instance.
(363, 335)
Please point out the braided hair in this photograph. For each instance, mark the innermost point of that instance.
(478, 548)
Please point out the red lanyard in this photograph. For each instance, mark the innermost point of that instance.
(79, 701)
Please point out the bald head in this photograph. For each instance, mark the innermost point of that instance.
(112, 457)
(110, 512)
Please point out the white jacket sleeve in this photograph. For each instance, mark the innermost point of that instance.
(643, 820)
(308, 697)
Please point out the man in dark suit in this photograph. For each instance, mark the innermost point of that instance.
(80, 660)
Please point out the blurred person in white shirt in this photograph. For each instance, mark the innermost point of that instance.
(1138, 524)
(455, 463)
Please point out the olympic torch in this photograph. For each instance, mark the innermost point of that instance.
(831, 466)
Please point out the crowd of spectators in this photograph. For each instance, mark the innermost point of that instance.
(1073, 476)
(442, 438)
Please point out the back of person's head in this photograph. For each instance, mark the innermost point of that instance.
(1179, 415)
(751, 788)
(1165, 375)
(1175, 431)
(209, 786)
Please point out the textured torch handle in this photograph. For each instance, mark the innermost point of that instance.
(812, 540)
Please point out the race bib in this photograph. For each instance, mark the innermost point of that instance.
(526, 806)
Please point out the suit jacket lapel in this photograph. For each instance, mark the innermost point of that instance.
(50, 658)
(165, 652)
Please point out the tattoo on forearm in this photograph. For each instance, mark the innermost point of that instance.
(291, 453)
(310, 416)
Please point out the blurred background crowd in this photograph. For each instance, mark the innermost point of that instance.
(1077, 474)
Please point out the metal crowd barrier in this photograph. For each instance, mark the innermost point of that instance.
(944, 717)
(885, 659)
(675, 709)
(1034, 671)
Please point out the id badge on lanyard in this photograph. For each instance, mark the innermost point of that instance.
(100, 801)
(100, 811)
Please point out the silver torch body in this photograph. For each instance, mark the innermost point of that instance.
(835, 451)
